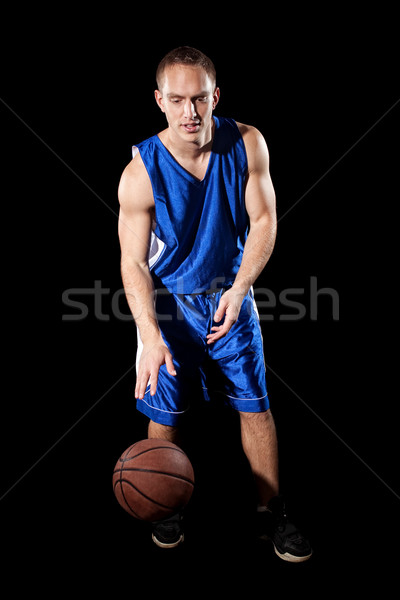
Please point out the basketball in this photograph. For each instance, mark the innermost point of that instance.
(153, 479)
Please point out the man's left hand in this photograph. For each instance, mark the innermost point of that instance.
(229, 306)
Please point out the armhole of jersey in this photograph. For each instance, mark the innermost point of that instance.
(135, 150)
(242, 146)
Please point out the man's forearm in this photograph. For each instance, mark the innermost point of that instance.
(139, 290)
(257, 251)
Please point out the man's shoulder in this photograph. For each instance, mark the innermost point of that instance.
(135, 169)
(249, 132)
(135, 185)
(254, 141)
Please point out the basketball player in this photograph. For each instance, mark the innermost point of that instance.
(197, 226)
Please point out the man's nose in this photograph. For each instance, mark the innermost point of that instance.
(190, 110)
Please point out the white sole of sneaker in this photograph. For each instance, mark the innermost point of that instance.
(292, 557)
(286, 556)
(164, 545)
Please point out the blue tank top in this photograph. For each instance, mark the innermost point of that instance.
(200, 226)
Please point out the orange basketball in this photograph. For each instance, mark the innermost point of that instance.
(153, 479)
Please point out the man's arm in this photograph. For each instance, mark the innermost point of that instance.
(260, 206)
(134, 228)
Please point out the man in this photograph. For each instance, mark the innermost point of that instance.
(197, 226)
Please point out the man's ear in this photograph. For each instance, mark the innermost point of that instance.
(216, 95)
(159, 99)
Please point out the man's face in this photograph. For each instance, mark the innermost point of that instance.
(187, 97)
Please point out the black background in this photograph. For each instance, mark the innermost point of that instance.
(76, 94)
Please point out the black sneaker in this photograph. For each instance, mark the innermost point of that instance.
(168, 533)
(273, 524)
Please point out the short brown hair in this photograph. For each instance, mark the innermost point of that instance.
(185, 55)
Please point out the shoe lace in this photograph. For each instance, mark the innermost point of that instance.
(283, 525)
(169, 527)
(281, 521)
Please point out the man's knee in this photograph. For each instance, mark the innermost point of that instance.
(256, 417)
(163, 432)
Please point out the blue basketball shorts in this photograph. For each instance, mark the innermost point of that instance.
(234, 365)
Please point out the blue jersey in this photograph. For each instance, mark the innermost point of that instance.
(200, 226)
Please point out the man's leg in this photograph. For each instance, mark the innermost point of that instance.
(261, 448)
(169, 532)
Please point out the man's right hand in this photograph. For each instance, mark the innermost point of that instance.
(153, 356)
